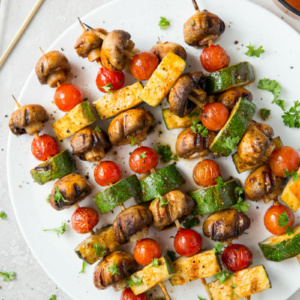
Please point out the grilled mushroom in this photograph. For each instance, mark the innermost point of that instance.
(69, 190)
(192, 145)
(131, 124)
(52, 68)
(90, 144)
(162, 49)
(28, 119)
(113, 50)
(132, 224)
(186, 85)
(230, 97)
(256, 145)
(262, 183)
(113, 268)
(89, 44)
(179, 205)
(202, 28)
(225, 224)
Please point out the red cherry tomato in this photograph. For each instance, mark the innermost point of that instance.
(274, 218)
(107, 172)
(214, 116)
(128, 294)
(143, 65)
(214, 58)
(84, 219)
(206, 172)
(44, 146)
(187, 242)
(284, 158)
(142, 159)
(110, 80)
(145, 250)
(67, 96)
(236, 257)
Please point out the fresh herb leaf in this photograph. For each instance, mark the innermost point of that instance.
(254, 52)
(239, 190)
(163, 23)
(270, 85)
(3, 215)
(171, 255)
(107, 88)
(199, 129)
(234, 294)
(218, 248)
(97, 129)
(162, 201)
(59, 230)
(132, 140)
(265, 113)
(48, 198)
(241, 205)
(155, 263)
(223, 276)
(192, 23)
(291, 118)
(166, 153)
(113, 269)
(83, 267)
(100, 250)
(136, 282)
(144, 154)
(280, 103)
(289, 230)
(8, 276)
(199, 298)
(58, 196)
(190, 222)
(53, 297)
(231, 142)
(193, 114)
(233, 286)
(220, 182)
(283, 219)
(294, 174)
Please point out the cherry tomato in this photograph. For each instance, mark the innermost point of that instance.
(84, 219)
(206, 172)
(284, 158)
(44, 146)
(110, 80)
(236, 257)
(143, 65)
(107, 172)
(145, 250)
(187, 242)
(214, 58)
(274, 218)
(142, 159)
(128, 294)
(214, 116)
(67, 96)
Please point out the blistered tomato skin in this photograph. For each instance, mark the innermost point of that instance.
(84, 219)
(67, 96)
(206, 172)
(112, 80)
(236, 257)
(146, 250)
(107, 172)
(187, 242)
(214, 116)
(127, 294)
(44, 147)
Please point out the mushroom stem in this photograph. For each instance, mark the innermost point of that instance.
(16, 101)
(42, 50)
(177, 224)
(196, 101)
(196, 6)
(82, 26)
(164, 290)
(206, 288)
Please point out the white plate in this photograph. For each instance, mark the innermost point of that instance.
(245, 23)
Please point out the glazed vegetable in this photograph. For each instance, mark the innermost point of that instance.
(147, 250)
(84, 219)
(162, 49)
(67, 96)
(106, 173)
(109, 81)
(214, 116)
(187, 242)
(231, 96)
(44, 147)
(143, 65)
(206, 172)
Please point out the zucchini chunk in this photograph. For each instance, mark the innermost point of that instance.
(150, 276)
(55, 167)
(163, 78)
(163, 181)
(118, 193)
(230, 135)
(116, 102)
(201, 265)
(242, 284)
(79, 117)
(227, 78)
(215, 198)
(97, 245)
(281, 247)
(173, 122)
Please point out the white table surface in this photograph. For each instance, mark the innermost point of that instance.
(52, 19)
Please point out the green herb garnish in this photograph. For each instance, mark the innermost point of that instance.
(3, 215)
(220, 182)
(107, 88)
(294, 174)
(289, 230)
(241, 205)
(136, 282)
(100, 250)
(171, 255)
(132, 140)
(163, 23)
(166, 153)
(59, 230)
(190, 222)
(254, 52)
(265, 113)
(199, 129)
(113, 269)
(283, 219)
(291, 118)
(223, 276)
(155, 263)
(193, 114)
(231, 142)
(58, 196)
(97, 129)
(83, 267)
(144, 154)
(53, 297)
(270, 85)
(218, 248)
(8, 276)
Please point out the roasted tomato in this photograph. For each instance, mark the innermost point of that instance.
(128, 294)
(108, 80)
(106, 173)
(67, 96)
(206, 172)
(146, 250)
(214, 116)
(44, 147)
(84, 219)
(187, 242)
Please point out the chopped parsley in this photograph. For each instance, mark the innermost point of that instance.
(190, 222)
(294, 174)
(171, 255)
(136, 282)
(100, 251)
(254, 52)
(163, 23)
(283, 219)
(166, 153)
(59, 230)
(144, 154)
(233, 286)
(83, 267)
(241, 205)
(239, 190)
(3, 215)
(199, 129)
(220, 182)
(132, 140)
(53, 297)
(155, 263)
(58, 196)
(270, 85)
(265, 113)
(193, 114)
(280, 103)
(113, 269)
(192, 23)
(223, 276)
(234, 294)
(218, 248)
(162, 201)
(199, 298)
(231, 142)
(97, 129)
(107, 88)
(8, 276)
(289, 230)
(291, 118)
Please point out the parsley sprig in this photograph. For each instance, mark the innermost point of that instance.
(289, 230)
(294, 174)
(190, 222)
(291, 118)
(270, 85)
(223, 276)
(3, 215)
(100, 250)
(199, 298)
(166, 154)
(83, 267)
(162, 200)
(265, 113)
(198, 128)
(8, 276)
(59, 230)
(254, 52)
(241, 205)
(53, 297)
(113, 269)
(231, 142)
(155, 263)
(144, 154)
(218, 248)
(135, 282)
(163, 23)
(220, 182)
(107, 88)
(283, 219)
(97, 129)
(58, 196)
(133, 141)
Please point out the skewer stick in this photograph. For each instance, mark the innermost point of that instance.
(42, 50)
(81, 24)
(177, 224)
(298, 257)
(196, 101)
(20, 32)
(164, 290)
(196, 6)
(204, 283)
(16, 101)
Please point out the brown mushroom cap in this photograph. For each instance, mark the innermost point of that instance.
(28, 115)
(73, 189)
(180, 105)
(89, 139)
(52, 67)
(133, 123)
(162, 49)
(202, 28)
(231, 96)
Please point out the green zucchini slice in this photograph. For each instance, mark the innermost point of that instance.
(215, 198)
(163, 181)
(281, 247)
(232, 132)
(150, 276)
(227, 78)
(55, 167)
(118, 193)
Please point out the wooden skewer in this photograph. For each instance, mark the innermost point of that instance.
(20, 32)
(196, 101)
(164, 290)
(204, 283)
(298, 257)
(196, 6)
(16, 101)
